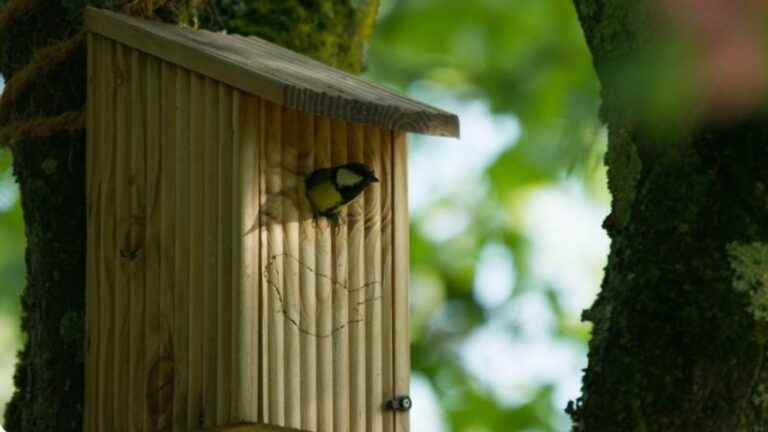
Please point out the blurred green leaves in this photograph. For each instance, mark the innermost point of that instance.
(525, 59)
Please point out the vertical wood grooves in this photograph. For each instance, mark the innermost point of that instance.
(401, 272)
(238, 325)
(248, 255)
(136, 251)
(225, 287)
(182, 247)
(357, 304)
(165, 358)
(306, 164)
(385, 226)
(340, 295)
(123, 224)
(211, 346)
(291, 300)
(155, 322)
(274, 268)
(197, 261)
(213, 295)
(374, 286)
(265, 291)
(324, 271)
(107, 226)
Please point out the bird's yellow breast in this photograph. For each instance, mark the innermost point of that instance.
(324, 196)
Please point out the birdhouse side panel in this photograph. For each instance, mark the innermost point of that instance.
(166, 325)
(325, 289)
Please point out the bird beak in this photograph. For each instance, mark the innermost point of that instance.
(374, 179)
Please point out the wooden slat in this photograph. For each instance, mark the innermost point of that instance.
(373, 282)
(157, 322)
(93, 137)
(239, 325)
(182, 251)
(107, 256)
(401, 274)
(225, 248)
(306, 164)
(136, 252)
(265, 292)
(161, 401)
(279, 75)
(324, 287)
(197, 263)
(211, 344)
(340, 295)
(274, 268)
(383, 169)
(357, 292)
(123, 133)
(248, 235)
(291, 288)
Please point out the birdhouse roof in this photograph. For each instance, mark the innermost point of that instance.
(274, 73)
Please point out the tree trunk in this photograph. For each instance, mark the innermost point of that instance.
(41, 121)
(679, 337)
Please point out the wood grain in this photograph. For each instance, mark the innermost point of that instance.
(357, 293)
(249, 361)
(384, 169)
(276, 74)
(401, 274)
(225, 251)
(274, 267)
(305, 163)
(323, 291)
(203, 307)
(107, 257)
(211, 343)
(373, 280)
(122, 219)
(291, 271)
(340, 294)
(197, 310)
(135, 250)
(182, 251)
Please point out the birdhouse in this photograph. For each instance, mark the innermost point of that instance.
(215, 295)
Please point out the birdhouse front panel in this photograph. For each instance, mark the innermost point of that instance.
(216, 293)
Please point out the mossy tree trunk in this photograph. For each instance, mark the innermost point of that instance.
(679, 338)
(48, 161)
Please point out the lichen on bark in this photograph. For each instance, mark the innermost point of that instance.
(676, 344)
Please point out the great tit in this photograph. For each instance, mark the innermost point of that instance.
(329, 189)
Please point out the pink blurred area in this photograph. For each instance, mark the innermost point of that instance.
(730, 58)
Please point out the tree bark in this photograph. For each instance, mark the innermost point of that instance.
(679, 336)
(48, 160)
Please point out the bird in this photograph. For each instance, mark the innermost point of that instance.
(330, 189)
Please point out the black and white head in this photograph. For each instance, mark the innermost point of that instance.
(354, 176)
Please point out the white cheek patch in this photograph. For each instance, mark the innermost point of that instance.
(347, 178)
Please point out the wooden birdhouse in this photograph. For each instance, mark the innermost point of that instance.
(214, 297)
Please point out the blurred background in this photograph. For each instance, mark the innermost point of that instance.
(507, 247)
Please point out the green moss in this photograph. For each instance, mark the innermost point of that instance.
(624, 168)
(334, 32)
(750, 265)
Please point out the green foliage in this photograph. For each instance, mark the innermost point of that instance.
(749, 263)
(527, 60)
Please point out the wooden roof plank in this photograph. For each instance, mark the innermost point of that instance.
(275, 73)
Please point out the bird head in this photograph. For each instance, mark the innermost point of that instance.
(355, 175)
